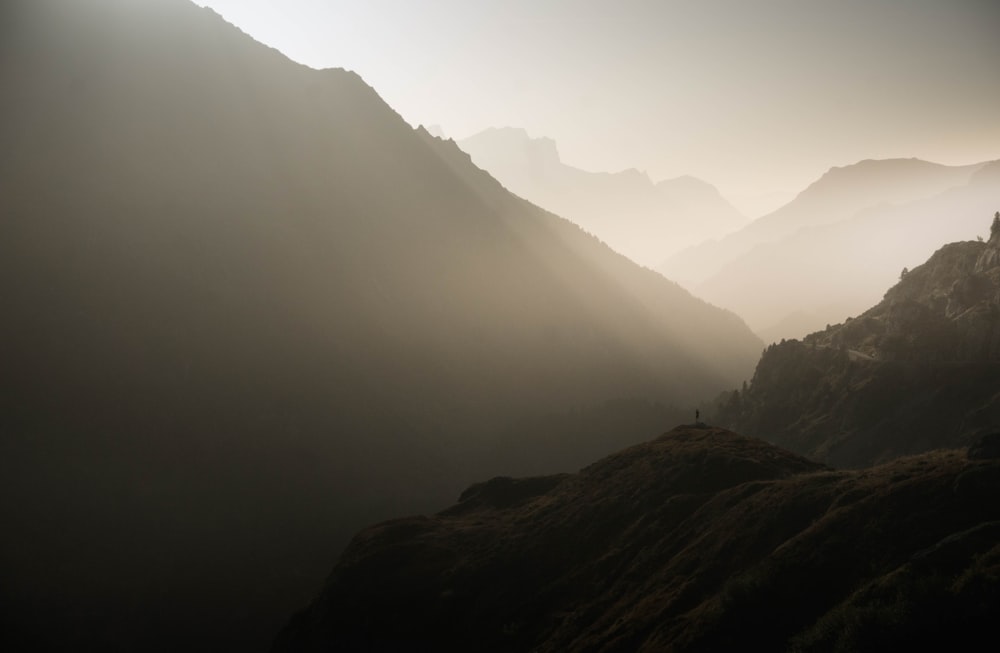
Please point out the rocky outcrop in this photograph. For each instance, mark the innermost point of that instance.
(990, 258)
(947, 309)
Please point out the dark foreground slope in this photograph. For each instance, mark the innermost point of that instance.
(918, 371)
(701, 540)
(246, 309)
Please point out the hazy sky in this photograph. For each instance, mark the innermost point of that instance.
(753, 96)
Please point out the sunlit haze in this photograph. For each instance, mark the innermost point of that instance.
(754, 97)
(676, 327)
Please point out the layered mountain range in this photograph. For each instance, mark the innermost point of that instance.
(833, 250)
(247, 309)
(700, 540)
(705, 540)
(918, 371)
(644, 220)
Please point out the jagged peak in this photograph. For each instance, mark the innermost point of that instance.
(517, 139)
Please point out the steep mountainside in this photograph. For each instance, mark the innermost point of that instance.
(833, 250)
(643, 220)
(701, 540)
(918, 371)
(247, 309)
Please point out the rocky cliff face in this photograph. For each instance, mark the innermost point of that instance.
(919, 370)
(944, 310)
(991, 257)
(976, 299)
(701, 540)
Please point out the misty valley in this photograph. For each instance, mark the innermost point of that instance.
(282, 372)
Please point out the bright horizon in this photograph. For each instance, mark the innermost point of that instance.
(754, 99)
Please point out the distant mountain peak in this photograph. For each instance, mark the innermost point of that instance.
(515, 141)
(635, 216)
(840, 242)
(689, 183)
(880, 172)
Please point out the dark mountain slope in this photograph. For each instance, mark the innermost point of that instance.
(921, 370)
(248, 309)
(701, 540)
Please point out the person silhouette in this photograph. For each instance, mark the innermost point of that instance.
(697, 415)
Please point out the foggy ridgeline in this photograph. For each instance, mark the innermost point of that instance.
(846, 237)
(646, 221)
(249, 310)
